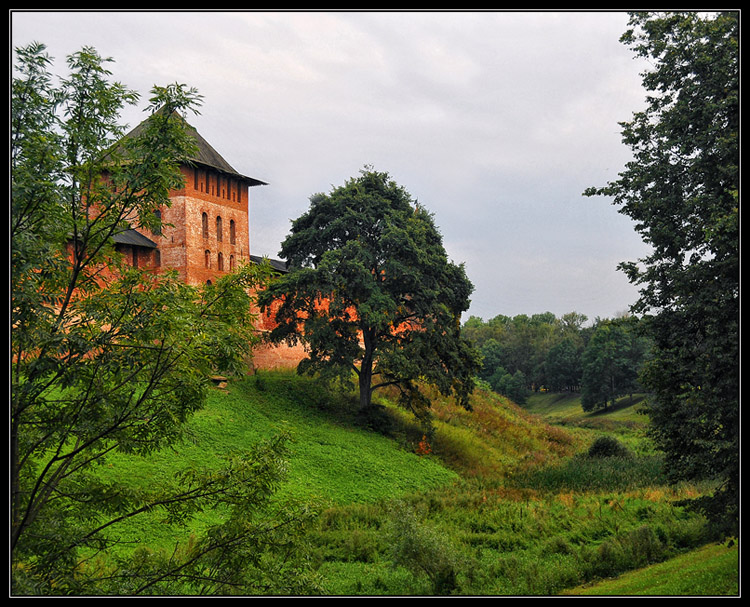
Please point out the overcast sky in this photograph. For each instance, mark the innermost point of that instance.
(495, 121)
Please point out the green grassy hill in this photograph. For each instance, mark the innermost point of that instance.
(500, 500)
(626, 419)
(711, 570)
(566, 407)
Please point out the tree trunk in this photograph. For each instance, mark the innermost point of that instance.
(365, 382)
(365, 371)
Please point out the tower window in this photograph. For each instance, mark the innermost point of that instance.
(157, 229)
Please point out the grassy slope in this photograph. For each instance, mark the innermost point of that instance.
(711, 570)
(332, 459)
(625, 419)
(335, 459)
(566, 407)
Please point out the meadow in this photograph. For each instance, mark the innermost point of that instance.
(500, 500)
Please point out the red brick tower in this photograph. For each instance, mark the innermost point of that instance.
(206, 230)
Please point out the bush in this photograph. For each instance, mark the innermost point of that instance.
(423, 550)
(645, 546)
(606, 446)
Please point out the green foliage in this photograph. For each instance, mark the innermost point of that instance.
(513, 386)
(612, 361)
(254, 547)
(563, 365)
(608, 446)
(108, 359)
(541, 349)
(681, 189)
(371, 292)
(527, 353)
(423, 550)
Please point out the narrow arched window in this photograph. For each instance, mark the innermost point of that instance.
(220, 262)
(231, 263)
(157, 229)
(205, 225)
(219, 235)
(231, 231)
(207, 258)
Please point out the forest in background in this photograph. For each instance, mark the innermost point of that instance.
(525, 354)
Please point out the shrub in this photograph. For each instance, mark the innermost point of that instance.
(645, 546)
(423, 550)
(607, 446)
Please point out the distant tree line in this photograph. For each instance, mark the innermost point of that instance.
(522, 354)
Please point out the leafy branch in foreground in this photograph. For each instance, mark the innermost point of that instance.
(110, 358)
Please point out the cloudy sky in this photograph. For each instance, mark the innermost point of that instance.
(495, 121)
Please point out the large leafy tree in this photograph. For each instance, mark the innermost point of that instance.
(371, 292)
(563, 365)
(611, 363)
(682, 190)
(108, 358)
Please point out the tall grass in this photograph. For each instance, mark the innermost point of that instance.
(535, 513)
(586, 474)
(493, 440)
(496, 501)
(498, 541)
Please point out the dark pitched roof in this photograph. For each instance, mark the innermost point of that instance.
(134, 238)
(276, 264)
(206, 155)
(209, 157)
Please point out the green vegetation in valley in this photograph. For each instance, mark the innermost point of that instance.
(496, 501)
(131, 475)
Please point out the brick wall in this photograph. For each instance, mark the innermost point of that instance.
(206, 230)
(268, 356)
(195, 243)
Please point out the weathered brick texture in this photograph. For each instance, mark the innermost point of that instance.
(206, 233)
